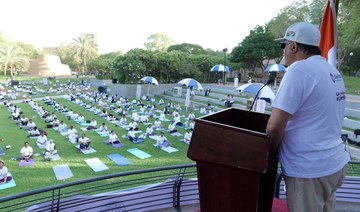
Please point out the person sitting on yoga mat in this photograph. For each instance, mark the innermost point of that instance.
(62, 127)
(93, 125)
(113, 138)
(133, 125)
(103, 127)
(177, 120)
(23, 121)
(131, 135)
(149, 131)
(34, 132)
(187, 136)
(72, 133)
(171, 127)
(41, 140)
(84, 142)
(26, 152)
(50, 149)
(157, 124)
(4, 178)
(144, 118)
(123, 120)
(162, 141)
(30, 125)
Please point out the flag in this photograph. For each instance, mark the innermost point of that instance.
(328, 33)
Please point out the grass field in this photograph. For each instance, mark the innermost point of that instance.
(41, 174)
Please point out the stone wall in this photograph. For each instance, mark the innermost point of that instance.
(48, 65)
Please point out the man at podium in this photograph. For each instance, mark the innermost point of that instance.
(306, 122)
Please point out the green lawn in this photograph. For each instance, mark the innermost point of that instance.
(41, 174)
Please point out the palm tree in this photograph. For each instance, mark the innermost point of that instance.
(13, 58)
(86, 48)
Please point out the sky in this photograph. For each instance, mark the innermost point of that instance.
(126, 24)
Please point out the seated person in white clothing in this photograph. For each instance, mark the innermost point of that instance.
(191, 115)
(23, 121)
(187, 136)
(93, 125)
(177, 120)
(161, 102)
(133, 125)
(62, 127)
(157, 124)
(171, 127)
(72, 134)
(144, 118)
(55, 123)
(162, 116)
(123, 120)
(149, 131)
(30, 125)
(34, 132)
(4, 178)
(135, 116)
(84, 142)
(113, 138)
(162, 141)
(203, 110)
(192, 125)
(103, 127)
(50, 149)
(131, 135)
(26, 152)
(41, 140)
(81, 118)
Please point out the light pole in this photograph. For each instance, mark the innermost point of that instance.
(224, 50)
(351, 54)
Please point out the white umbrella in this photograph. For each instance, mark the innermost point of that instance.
(149, 80)
(190, 84)
(253, 88)
(276, 68)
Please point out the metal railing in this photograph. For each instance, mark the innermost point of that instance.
(141, 190)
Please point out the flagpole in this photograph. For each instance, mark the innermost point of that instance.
(336, 2)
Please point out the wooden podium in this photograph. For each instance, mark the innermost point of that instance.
(236, 165)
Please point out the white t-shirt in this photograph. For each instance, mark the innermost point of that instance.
(26, 151)
(113, 137)
(313, 92)
(83, 140)
(3, 172)
(160, 140)
(149, 130)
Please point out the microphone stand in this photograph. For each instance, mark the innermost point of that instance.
(257, 94)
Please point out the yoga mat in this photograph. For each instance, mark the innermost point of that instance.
(117, 145)
(2, 152)
(124, 126)
(137, 131)
(64, 133)
(139, 153)
(168, 149)
(176, 134)
(83, 129)
(86, 151)
(84, 124)
(103, 134)
(119, 159)
(62, 172)
(27, 163)
(73, 141)
(154, 137)
(9, 184)
(115, 122)
(96, 164)
(53, 157)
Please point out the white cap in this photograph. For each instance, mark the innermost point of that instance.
(303, 32)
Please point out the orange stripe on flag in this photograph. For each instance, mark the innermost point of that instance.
(328, 34)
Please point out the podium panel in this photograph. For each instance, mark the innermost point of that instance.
(236, 165)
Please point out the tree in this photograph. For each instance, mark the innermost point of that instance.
(104, 65)
(13, 58)
(86, 48)
(29, 50)
(258, 46)
(158, 42)
(187, 48)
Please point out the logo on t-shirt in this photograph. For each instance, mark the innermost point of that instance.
(335, 77)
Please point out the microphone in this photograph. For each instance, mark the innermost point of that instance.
(269, 81)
